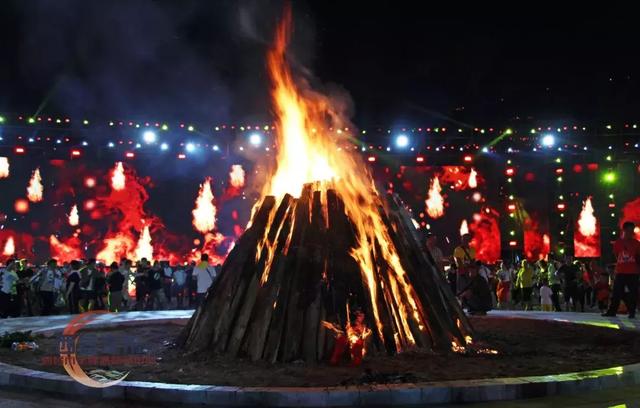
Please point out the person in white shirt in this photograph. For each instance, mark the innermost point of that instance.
(545, 297)
(179, 280)
(205, 274)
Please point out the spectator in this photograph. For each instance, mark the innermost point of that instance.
(602, 291)
(524, 283)
(554, 282)
(9, 301)
(116, 283)
(73, 288)
(87, 286)
(101, 288)
(627, 252)
(45, 280)
(504, 286)
(204, 274)
(141, 277)
(568, 273)
(125, 271)
(157, 300)
(167, 280)
(180, 278)
(545, 297)
(464, 257)
(436, 252)
(476, 295)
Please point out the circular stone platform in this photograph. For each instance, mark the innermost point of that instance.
(495, 389)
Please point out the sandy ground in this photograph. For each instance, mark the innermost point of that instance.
(526, 347)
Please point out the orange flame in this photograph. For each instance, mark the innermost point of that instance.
(144, 248)
(34, 189)
(473, 181)
(435, 202)
(4, 167)
(587, 222)
(464, 228)
(308, 153)
(118, 179)
(65, 251)
(9, 247)
(74, 218)
(236, 176)
(204, 215)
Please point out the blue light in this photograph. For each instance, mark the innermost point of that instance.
(164, 146)
(190, 147)
(402, 141)
(255, 139)
(138, 145)
(149, 136)
(548, 140)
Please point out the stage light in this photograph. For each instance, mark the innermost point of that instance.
(149, 136)
(90, 182)
(31, 120)
(609, 177)
(1, 119)
(85, 122)
(561, 206)
(182, 156)
(420, 159)
(190, 128)
(130, 155)
(75, 153)
(510, 171)
(508, 132)
(165, 127)
(371, 159)
(468, 159)
(190, 147)
(31, 140)
(85, 143)
(19, 150)
(255, 139)
(485, 150)
(215, 148)
(513, 243)
(164, 146)
(111, 144)
(548, 140)
(512, 233)
(402, 141)
(608, 158)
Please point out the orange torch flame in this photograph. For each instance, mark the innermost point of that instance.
(4, 167)
(9, 247)
(587, 222)
(144, 248)
(435, 202)
(464, 228)
(204, 214)
(236, 176)
(118, 179)
(473, 180)
(34, 189)
(74, 218)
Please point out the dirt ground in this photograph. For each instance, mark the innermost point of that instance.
(525, 347)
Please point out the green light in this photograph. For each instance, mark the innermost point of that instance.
(512, 215)
(561, 250)
(609, 177)
(1, 119)
(608, 158)
(562, 215)
(559, 179)
(190, 128)
(558, 160)
(85, 122)
(31, 120)
(512, 233)
(164, 127)
(242, 128)
(508, 131)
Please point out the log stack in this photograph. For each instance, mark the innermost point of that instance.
(292, 269)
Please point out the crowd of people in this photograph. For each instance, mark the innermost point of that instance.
(84, 285)
(555, 284)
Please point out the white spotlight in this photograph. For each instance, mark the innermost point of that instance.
(255, 139)
(164, 146)
(190, 147)
(216, 148)
(548, 140)
(111, 144)
(402, 141)
(149, 136)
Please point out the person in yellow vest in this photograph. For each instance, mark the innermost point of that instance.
(465, 259)
(524, 283)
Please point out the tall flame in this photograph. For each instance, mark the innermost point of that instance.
(204, 215)
(34, 189)
(4, 167)
(473, 180)
(9, 247)
(307, 153)
(587, 222)
(118, 179)
(464, 228)
(74, 218)
(144, 248)
(435, 202)
(236, 176)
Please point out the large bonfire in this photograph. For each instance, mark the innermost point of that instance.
(322, 242)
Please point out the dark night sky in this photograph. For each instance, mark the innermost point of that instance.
(204, 61)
